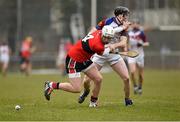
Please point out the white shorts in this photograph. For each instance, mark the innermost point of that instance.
(139, 60)
(110, 59)
(4, 59)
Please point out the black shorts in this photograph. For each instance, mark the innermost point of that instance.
(73, 66)
(24, 60)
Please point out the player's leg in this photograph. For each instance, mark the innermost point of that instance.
(4, 62)
(23, 64)
(85, 93)
(119, 66)
(4, 68)
(141, 79)
(73, 69)
(28, 66)
(121, 69)
(98, 62)
(75, 83)
(96, 77)
(0, 64)
(73, 86)
(23, 67)
(87, 84)
(140, 65)
(132, 70)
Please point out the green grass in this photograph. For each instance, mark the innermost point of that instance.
(160, 99)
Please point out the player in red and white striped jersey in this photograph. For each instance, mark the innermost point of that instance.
(78, 60)
(26, 51)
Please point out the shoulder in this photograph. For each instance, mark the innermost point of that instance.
(96, 33)
(108, 21)
(141, 32)
(96, 38)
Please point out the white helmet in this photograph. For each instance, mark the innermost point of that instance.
(108, 31)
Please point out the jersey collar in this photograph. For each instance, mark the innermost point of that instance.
(117, 21)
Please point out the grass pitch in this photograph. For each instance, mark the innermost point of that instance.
(160, 99)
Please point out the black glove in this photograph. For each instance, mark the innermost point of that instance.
(139, 44)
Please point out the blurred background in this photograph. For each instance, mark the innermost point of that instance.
(52, 22)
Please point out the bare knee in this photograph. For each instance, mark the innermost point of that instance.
(126, 79)
(87, 79)
(98, 80)
(76, 88)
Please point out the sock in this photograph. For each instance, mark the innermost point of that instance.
(54, 85)
(94, 99)
(135, 86)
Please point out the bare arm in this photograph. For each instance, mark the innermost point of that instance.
(145, 44)
(33, 49)
(121, 44)
(125, 26)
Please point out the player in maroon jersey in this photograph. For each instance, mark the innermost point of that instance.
(137, 42)
(78, 60)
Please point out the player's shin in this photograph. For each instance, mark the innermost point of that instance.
(86, 91)
(127, 88)
(96, 89)
(94, 97)
(87, 83)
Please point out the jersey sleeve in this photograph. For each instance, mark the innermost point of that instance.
(143, 36)
(104, 22)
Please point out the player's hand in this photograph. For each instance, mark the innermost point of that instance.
(128, 101)
(106, 51)
(33, 49)
(111, 47)
(126, 25)
(139, 44)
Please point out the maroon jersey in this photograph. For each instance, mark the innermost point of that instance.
(85, 48)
